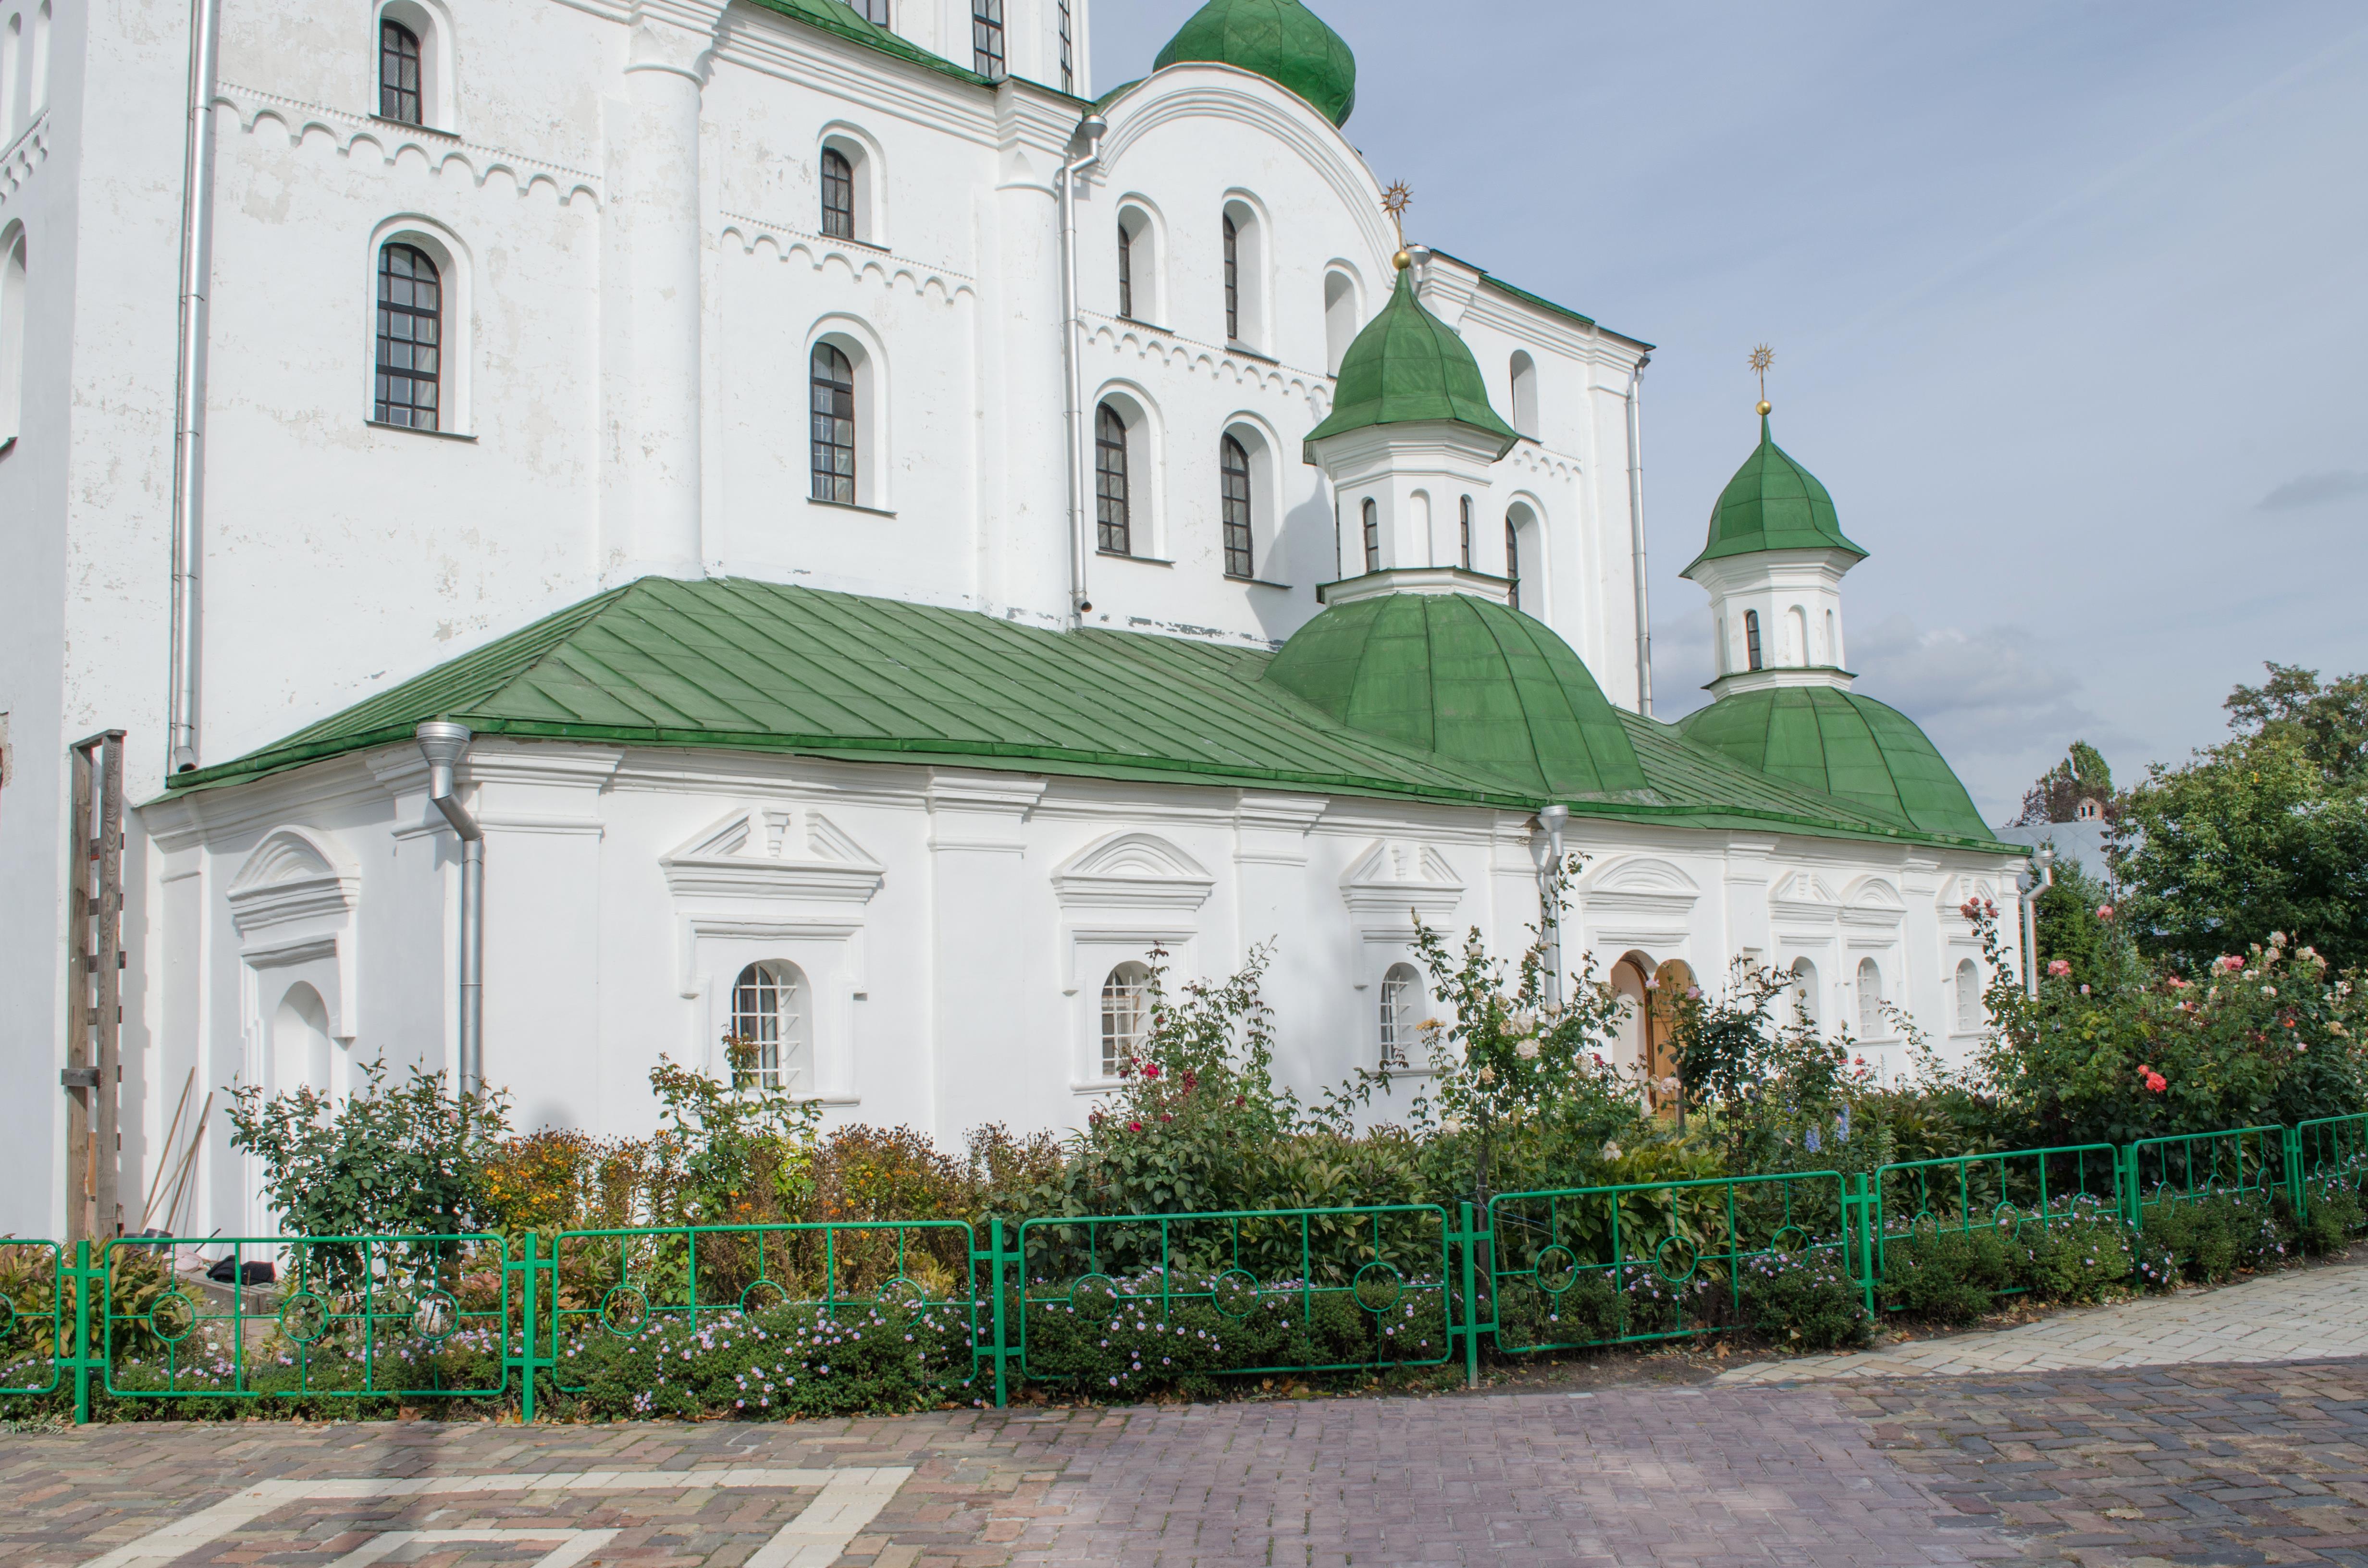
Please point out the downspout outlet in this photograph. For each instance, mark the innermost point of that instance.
(444, 745)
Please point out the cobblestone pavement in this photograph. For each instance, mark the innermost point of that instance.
(2309, 1315)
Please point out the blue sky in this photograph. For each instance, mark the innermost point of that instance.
(2070, 304)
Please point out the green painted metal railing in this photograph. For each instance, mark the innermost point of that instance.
(1236, 1292)
(1661, 1260)
(2007, 1190)
(2326, 1156)
(2238, 1162)
(35, 1346)
(627, 1283)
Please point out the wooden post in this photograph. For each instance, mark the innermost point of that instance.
(94, 1071)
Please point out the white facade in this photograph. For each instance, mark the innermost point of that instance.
(624, 207)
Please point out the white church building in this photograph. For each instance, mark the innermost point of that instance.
(884, 531)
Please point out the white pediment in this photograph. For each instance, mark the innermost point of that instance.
(1132, 870)
(774, 852)
(1872, 903)
(1958, 892)
(1640, 885)
(1395, 874)
(1805, 897)
(294, 876)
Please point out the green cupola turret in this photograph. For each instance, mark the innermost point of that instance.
(1407, 367)
(1279, 40)
(1773, 503)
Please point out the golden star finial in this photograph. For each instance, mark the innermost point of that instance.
(1761, 357)
(1395, 202)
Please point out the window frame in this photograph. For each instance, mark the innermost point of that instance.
(1403, 996)
(1751, 649)
(1129, 979)
(429, 23)
(1464, 523)
(787, 1018)
(1233, 279)
(384, 410)
(1106, 415)
(1125, 270)
(393, 35)
(1512, 563)
(1522, 370)
(837, 174)
(1868, 989)
(850, 481)
(1968, 996)
(990, 51)
(1369, 517)
(1238, 513)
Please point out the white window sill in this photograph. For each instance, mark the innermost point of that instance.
(1138, 560)
(1247, 352)
(849, 507)
(1256, 583)
(1099, 1087)
(415, 430)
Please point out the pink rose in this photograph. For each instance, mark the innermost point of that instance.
(2059, 968)
(2232, 962)
(2104, 912)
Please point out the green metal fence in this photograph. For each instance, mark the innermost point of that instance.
(2241, 1163)
(1189, 1296)
(2011, 1190)
(1661, 1260)
(34, 1316)
(342, 1317)
(666, 1284)
(2327, 1157)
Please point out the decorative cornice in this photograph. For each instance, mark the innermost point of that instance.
(861, 261)
(1133, 871)
(1177, 352)
(22, 156)
(346, 131)
(770, 852)
(1396, 877)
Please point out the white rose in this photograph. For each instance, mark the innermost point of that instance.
(1527, 1050)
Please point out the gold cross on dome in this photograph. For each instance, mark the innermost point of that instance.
(1761, 357)
(1395, 202)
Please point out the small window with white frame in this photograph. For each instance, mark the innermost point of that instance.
(771, 1005)
(1869, 999)
(1125, 1015)
(413, 50)
(1969, 997)
(1401, 1016)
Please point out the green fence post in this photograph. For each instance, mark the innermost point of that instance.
(1002, 1344)
(1471, 1303)
(82, 1276)
(1863, 1204)
(2291, 1137)
(525, 1394)
(2125, 1167)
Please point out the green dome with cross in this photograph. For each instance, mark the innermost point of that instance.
(1279, 40)
(1408, 366)
(1773, 503)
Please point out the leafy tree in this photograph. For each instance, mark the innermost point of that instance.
(2082, 775)
(729, 1152)
(2267, 831)
(2078, 925)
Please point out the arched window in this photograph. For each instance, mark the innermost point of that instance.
(1805, 990)
(1464, 529)
(1751, 639)
(39, 99)
(833, 426)
(1126, 1017)
(1340, 318)
(410, 338)
(769, 1007)
(986, 38)
(1796, 636)
(398, 73)
(1525, 394)
(1233, 279)
(1068, 51)
(1869, 999)
(1402, 1002)
(1373, 536)
(12, 38)
(12, 337)
(838, 195)
(1833, 641)
(1113, 511)
(1125, 270)
(1969, 997)
(1513, 565)
(1235, 464)
(304, 1054)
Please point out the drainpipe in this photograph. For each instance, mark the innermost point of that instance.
(190, 389)
(1553, 819)
(2045, 859)
(1073, 364)
(444, 745)
(1636, 532)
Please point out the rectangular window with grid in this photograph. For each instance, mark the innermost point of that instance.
(1068, 54)
(986, 38)
(1113, 526)
(1236, 463)
(398, 73)
(410, 338)
(1373, 536)
(1125, 273)
(833, 426)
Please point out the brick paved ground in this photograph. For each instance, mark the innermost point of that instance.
(2204, 1463)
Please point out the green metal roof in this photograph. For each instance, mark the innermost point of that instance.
(838, 16)
(1773, 503)
(731, 664)
(1468, 678)
(1844, 745)
(1279, 40)
(1408, 366)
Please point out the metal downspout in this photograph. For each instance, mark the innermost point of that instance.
(1636, 532)
(2045, 859)
(1073, 364)
(189, 388)
(444, 745)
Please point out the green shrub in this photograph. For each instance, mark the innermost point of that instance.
(799, 1359)
(1948, 1276)
(1805, 1300)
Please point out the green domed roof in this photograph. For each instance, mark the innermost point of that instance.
(1773, 503)
(1467, 678)
(1279, 40)
(1844, 745)
(1408, 366)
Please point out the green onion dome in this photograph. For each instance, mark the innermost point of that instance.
(1845, 744)
(1773, 503)
(1279, 40)
(1408, 366)
(1467, 678)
